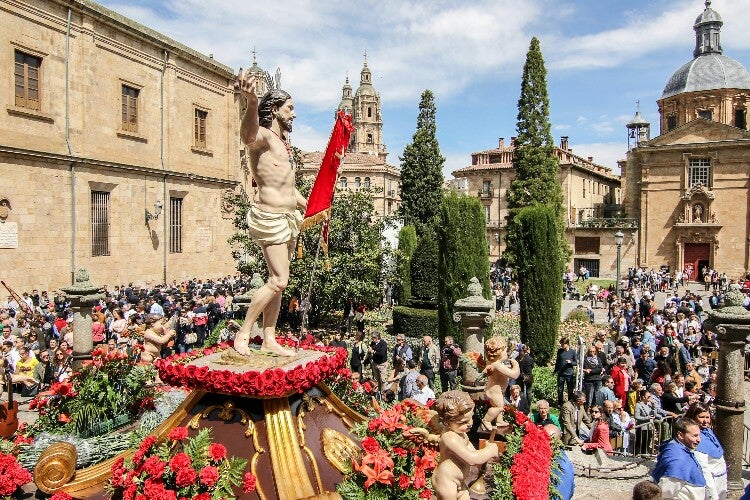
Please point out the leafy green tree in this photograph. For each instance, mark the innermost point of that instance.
(407, 244)
(534, 158)
(422, 170)
(463, 254)
(539, 268)
(424, 270)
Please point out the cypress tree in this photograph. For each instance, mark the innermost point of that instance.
(424, 270)
(463, 254)
(539, 269)
(422, 170)
(407, 243)
(534, 157)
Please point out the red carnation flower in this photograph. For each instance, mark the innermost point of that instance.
(185, 477)
(179, 461)
(217, 452)
(202, 496)
(153, 466)
(248, 482)
(370, 444)
(209, 475)
(403, 481)
(178, 434)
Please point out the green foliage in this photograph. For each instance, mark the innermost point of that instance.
(422, 170)
(415, 323)
(507, 325)
(424, 267)
(463, 255)
(110, 387)
(407, 244)
(578, 315)
(545, 385)
(534, 157)
(539, 269)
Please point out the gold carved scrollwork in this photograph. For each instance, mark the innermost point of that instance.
(226, 413)
(339, 450)
(55, 467)
(309, 403)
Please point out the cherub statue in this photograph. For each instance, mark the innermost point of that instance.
(499, 371)
(457, 454)
(156, 335)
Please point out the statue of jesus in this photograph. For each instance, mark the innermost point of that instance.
(274, 221)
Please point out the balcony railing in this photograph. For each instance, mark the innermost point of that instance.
(495, 224)
(606, 222)
(485, 193)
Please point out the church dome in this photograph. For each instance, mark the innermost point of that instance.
(708, 72)
(708, 16)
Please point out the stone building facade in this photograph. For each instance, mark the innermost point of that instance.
(689, 187)
(591, 194)
(365, 165)
(118, 147)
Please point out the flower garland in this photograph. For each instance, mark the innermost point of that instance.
(395, 461)
(12, 475)
(524, 471)
(181, 467)
(271, 383)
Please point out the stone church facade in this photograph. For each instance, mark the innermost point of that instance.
(689, 187)
(118, 149)
(365, 165)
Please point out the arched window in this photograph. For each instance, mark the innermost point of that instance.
(367, 182)
(369, 138)
(357, 182)
(342, 183)
(369, 112)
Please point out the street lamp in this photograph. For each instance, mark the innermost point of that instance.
(618, 241)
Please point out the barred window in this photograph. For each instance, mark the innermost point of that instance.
(699, 172)
(201, 117)
(357, 182)
(367, 182)
(175, 225)
(130, 108)
(671, 122)
(99, 223)
(342, 183)
(27, 75)
(706, 114)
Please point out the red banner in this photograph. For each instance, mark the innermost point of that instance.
(321, 196)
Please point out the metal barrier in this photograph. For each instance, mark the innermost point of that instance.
(746, 447)
(645, 438)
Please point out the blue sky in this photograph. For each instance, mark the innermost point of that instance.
(601, 56)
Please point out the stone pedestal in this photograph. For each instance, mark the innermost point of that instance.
(83, 297)
(732, 325)
(474, 313)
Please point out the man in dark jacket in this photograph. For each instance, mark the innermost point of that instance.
(567, 359)
(379, 353)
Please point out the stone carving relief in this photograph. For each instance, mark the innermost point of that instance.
(698, 212)
(4, 209)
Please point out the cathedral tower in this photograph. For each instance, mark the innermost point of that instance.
(365, 108)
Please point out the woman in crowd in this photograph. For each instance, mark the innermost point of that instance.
(710, 454)
(119, 326)
(592, 375)
(644, 421)
(518, 400)
(599, 437)
(671, 401)
(360, 355)
(98, 328)
(61, 369)
(662, 373)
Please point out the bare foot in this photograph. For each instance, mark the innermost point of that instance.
(487, 426)
(270, 345)
(242, 343)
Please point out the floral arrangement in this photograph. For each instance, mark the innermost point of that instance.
(525, 469)
(395, 461)
(271, 383)
(181, 467)
(356, 396)
(107, 387)
(476, 359)
(12, 475)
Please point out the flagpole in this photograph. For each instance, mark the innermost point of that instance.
(312, 278)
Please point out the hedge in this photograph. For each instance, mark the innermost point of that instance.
(415, 323)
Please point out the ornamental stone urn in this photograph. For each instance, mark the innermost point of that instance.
(474, 313)
(732, 326)
(83, 297)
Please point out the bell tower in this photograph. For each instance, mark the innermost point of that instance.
(368, 121)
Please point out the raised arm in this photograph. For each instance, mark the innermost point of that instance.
(250, 126)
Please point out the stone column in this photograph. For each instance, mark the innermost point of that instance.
(732, 325)
(83, 297)
(474, 313)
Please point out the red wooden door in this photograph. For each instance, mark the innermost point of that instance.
(696, 254)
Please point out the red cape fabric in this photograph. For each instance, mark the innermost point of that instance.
(321, 196)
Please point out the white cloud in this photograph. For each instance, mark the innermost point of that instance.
(454, 161)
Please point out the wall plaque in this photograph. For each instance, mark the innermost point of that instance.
(9, 235)
(204, 238)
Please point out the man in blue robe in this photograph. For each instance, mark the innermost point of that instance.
(677, 471)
